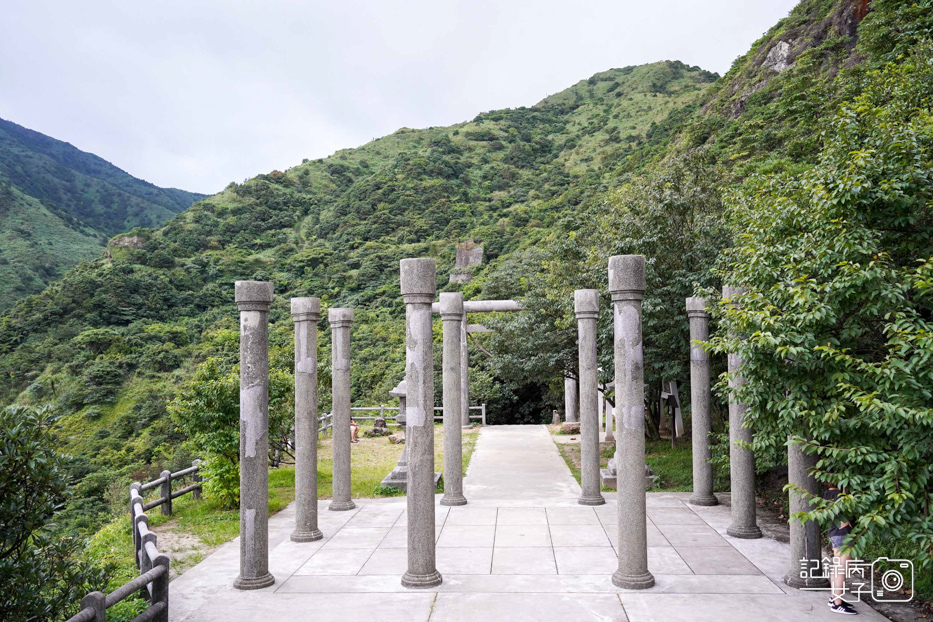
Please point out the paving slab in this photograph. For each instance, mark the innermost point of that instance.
(523, 549)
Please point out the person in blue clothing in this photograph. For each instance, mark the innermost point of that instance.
(838, 531)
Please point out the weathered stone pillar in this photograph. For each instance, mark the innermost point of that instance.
(452, 317)
(306, 312)
(586, 307)
(340, 321)
(805, 545)
(741, 459)
(610, 423)
(253, 299)
(418, 288)
(700, 404)
(464, 373)
(571, 394)
(627, 286)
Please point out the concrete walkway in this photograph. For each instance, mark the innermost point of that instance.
(521, 550)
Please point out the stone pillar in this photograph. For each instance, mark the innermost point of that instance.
(340, 321)
(418, 288)
(586, 307)
(452, 317)
(305, 313)
(610, 423)
(700, 404)
(253, 299)
(805, 546)
(571, 393)
(464, 373)
(741, 460)
(627, 286)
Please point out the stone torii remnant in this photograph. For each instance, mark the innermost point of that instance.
(474, 306)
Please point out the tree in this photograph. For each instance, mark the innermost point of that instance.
(837, 319)
(45, 574)
(208, 411)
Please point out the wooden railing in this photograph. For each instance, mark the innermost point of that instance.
(153, 566)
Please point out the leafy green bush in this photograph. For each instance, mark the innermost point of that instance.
(44, 574)
(839, 268)
(208, 410)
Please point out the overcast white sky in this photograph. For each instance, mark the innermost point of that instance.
(197, 93)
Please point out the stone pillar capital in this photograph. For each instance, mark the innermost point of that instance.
(306, 309)
(731, 292)
(586, 304)
(253, 295)
(696, 307)
(451, 306)
(627, 277)
(340, 317)
(418, 280)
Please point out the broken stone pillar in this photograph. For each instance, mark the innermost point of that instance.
(452, 317)
(305, 313)
(627, 286)
(586, 307)
(340, 321)
(418, 288)
(806, 553)
(464, 374)
(741, 459)
(253, 299)
(570, 400)
(700, 403)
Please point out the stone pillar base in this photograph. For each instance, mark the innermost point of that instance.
(637, 582)
(307, 536)
(398, 478)
(592, 500)
(798, 582)
(254, 584)
(746, 533)
(452, 500)
(608, 480)
(421, 581)
(703, 500)
(341, 506)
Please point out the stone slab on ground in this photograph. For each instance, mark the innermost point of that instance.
(523, 549)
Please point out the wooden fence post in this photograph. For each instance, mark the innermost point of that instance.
(197, 479)
(166, 493)
(98, 602)
(160, 587)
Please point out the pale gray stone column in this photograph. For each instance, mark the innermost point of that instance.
(586, 307)
(627, 286)
(253, 299)
(452, 317)
(741, 459)
(610, 423)
(418, 288)
(464, 373)
(700, 404)
(305, 313)
(571, 394)
(340, 321)
(805, 544)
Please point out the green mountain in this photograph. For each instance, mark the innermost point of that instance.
(111, 341)
(58, 206)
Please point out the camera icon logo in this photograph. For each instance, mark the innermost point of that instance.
(892, 580)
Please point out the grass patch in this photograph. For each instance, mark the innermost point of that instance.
(673, 466)
(212, 525)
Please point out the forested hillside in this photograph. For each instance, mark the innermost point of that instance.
(630, 160)
(59, 205)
